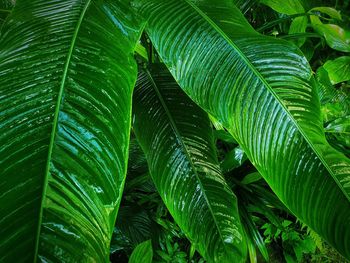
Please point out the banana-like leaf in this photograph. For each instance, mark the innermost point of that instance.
(66, 78)
(178, 141)
(262, 90)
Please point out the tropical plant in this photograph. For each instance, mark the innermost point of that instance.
(71, 90)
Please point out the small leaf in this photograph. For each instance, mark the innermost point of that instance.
(338, 69)
(233, 159)
(288, 7)
(297, 26)
(251, 178)
(333, 13)
(336, 37)
(340, 130)
(142, 253)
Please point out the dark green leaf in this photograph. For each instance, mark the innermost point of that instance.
(251, 178)
(233, 159)
(178, 141)
(66, 80)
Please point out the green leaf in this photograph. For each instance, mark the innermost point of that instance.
(338, 69)
(66, 78)
(262, 90)
(288, 7)
(245, 5)
(336, 37)
(297, 26)
(252, 251)
(291, 7)
(142, 253)
(251, 178)
(253, 233)
(340, 129)
(331, 12)
(233, 159)
(134, 222)
(178, 141)
(335, 103)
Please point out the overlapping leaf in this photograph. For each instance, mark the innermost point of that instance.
(66, 79)
(177, 139)
(142, 253)
(262, 90)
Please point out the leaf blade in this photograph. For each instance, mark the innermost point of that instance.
(55, 123)
(184, 167)
(273, 114)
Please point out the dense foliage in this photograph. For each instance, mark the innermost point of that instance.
(174, 131)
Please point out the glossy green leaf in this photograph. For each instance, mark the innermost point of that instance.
(291, 7)
(134, 222)
(338, 69)
(142, 253)
(251, 178)
(233, 159)
(340, 129)
(288, 7)
(178, 141)
(334, 102)
(336, 37)
(262, 90)
(253, 232)
(251, 251)
(331, 12)
(66, 78)
(298, 26)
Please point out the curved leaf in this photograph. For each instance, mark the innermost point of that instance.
(338, 69)
(178, 141)
(336, 37)
(288, 7)
(291, 7)
(263, 92)
(142, 253)
(65, 66)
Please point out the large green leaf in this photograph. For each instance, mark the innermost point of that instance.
(178, 141)
(66, 80)
(262, 91)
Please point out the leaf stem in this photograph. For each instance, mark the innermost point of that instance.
(301, 35)
(280, 20)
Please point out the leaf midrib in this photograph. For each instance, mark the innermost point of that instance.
(55, 123)
(179, 139)
(257, 73)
